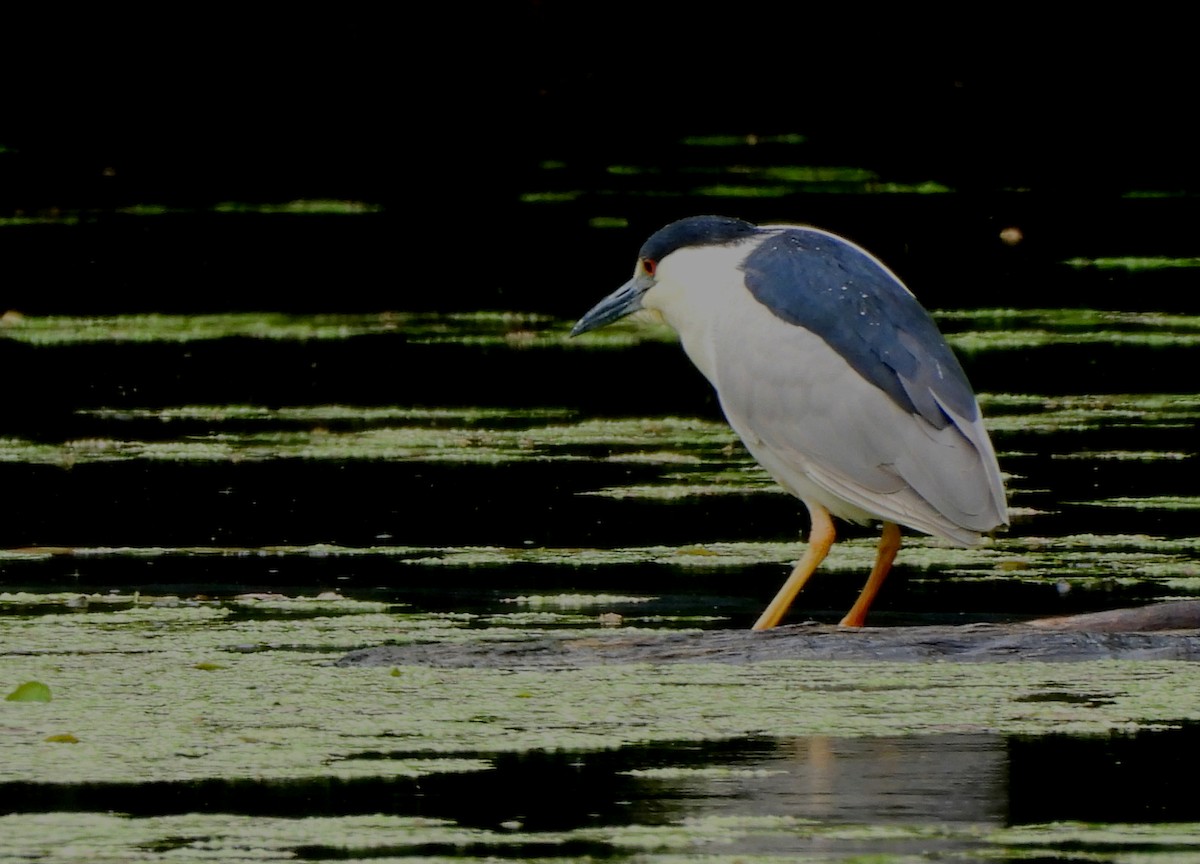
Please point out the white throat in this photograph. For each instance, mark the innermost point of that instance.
(696, 290)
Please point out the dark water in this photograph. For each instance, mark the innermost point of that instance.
(834, 785)
(564, 231)
(960, 778)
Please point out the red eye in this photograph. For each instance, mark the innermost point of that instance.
(649, 265)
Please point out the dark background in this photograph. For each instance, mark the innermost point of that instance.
(124, 136)
(444, 116)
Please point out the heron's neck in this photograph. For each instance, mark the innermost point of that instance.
(696, 290)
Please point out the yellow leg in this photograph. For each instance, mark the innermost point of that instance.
(889, 545)
(820, 538)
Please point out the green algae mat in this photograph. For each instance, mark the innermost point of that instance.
(213, 516)
(162, 714)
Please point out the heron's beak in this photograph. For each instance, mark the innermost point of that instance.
(623, 301)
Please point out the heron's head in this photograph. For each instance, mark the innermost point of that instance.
(667, 266)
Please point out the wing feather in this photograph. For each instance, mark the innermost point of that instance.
(824, 431)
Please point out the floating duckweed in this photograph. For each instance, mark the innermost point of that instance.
(1124, 456)
(489, 327)
(720, 838)
(678, 492)
(978, 341)
(17, 600)
(717, 140)
(742, 140)
(1048, 414)
(990, 329)
(729, 190)
(304, 206)
(1132, 263)
(1087, 557)
(324, 605)
(561, 197)
(1150, 502)
(1023, 329)
(812, 174)
(539, 619)
(30, 691)
(364, 414)
(715, 772)
(750, 181)
(1066, 320)
(514, 436)
(631, 170)
(573, 601)
(607, 222)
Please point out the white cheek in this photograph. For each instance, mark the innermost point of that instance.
(696, 286)
(697, 292)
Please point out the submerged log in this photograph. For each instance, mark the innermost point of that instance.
(1164, 631)
(1175, 615)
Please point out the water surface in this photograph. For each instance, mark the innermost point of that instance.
(208, 508)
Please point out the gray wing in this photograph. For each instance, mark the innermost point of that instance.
(840, 292)
(859, 396)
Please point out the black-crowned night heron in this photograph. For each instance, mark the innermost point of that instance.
(833, 375)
